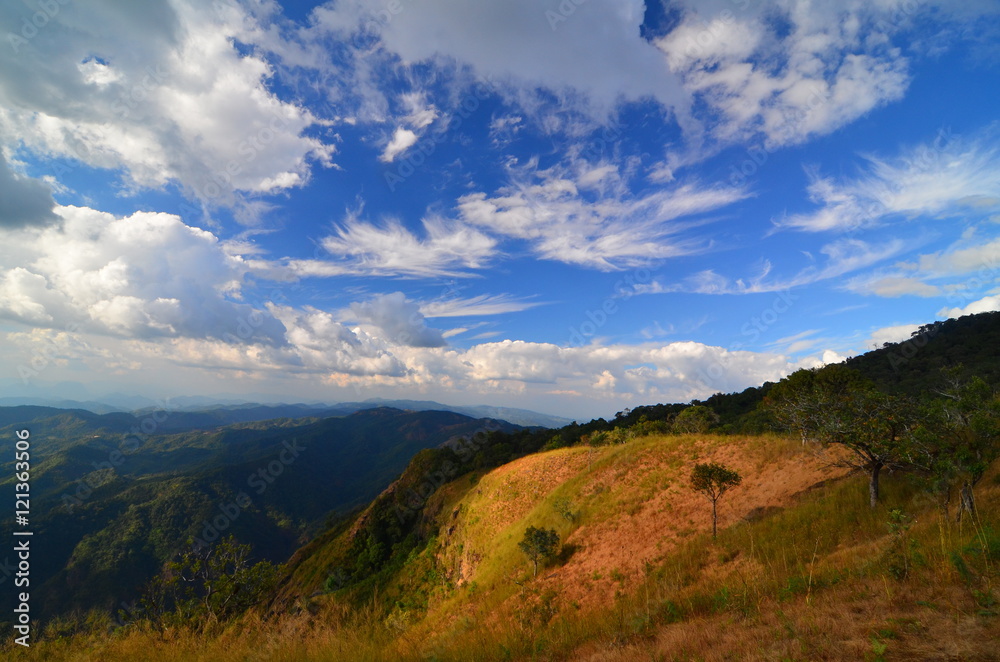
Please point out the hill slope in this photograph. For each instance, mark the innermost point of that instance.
(802, 569)
(109, 521)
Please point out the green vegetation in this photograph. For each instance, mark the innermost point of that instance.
(806, 564)
(713, 480)
(539, 545)
(114, 506)
(207, 584)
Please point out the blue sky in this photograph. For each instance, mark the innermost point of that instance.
(572, 206)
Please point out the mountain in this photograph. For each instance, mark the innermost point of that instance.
(112, 506)
(431, 566)
(205, 413)
(523, 417)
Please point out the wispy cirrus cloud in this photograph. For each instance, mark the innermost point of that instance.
(477, 306)
(842, 257)
(583, 215)
(948, 177)
(971, 263)
(447, 248)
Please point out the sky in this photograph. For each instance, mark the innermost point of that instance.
(571, 206)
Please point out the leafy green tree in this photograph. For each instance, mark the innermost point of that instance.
(539, 544)
(796, 403)
(836, 405)
(713, 480)
(958, 437)
(209, 583)
(695, 419)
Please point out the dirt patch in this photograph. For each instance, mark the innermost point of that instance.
(612, 555)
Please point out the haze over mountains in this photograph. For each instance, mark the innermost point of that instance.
(208, 412)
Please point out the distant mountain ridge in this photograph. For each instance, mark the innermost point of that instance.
(209, 415)
(112, 504)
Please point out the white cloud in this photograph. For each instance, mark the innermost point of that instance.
(825, 71)
(950, 176)
(584, 215)
(894, 286)
(968, 266)
(402, 140)
(143, 276)
(391, 249)
(398, 320)
(891, 334)
(169, 99)
(843, 257)
(521, 45)
(322, 345)
(985, 305)
(484, 304)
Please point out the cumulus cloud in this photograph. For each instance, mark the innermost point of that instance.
(142, 276)
(987, 304)
(23, 201)
(831, 65)
(398, 320)
(162, 94)
(891, 334)
(675, 372)
(522, 45)
(321, 344)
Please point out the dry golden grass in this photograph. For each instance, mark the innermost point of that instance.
(802, 570)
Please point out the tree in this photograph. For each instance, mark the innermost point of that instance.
(539, 544)
(835, 405)
(956, 440)
(794, 403)
(713, 480)
(695, 419)
(209, 583)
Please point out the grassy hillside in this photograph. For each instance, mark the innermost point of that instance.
(802, 569)
(108, 523)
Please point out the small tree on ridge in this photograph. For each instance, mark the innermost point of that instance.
(713, 480)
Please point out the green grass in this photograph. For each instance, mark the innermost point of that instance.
(795, 584)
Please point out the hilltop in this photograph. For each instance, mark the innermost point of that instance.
(803, 568)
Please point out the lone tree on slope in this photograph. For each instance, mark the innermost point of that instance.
(836, 405)
(713, 480)
(539, 544)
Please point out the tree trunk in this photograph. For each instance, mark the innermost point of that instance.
(714, 520)
(873, 484)
(535, 573)
(966, 501)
